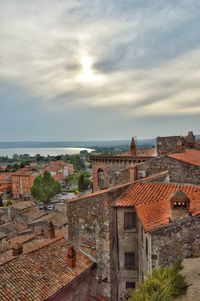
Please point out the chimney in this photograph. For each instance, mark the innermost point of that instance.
(49, 230)
(71, 257)
(17, 249)
(133, 173)
(133, 147)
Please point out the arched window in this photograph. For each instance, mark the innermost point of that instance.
(100, 175)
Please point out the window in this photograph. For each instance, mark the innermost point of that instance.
(180, 204)
(129, 261)
(142, 235)
(146, 247)
(100, 176)
(130, 285)
(129, 220)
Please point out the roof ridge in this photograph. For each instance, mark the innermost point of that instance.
(45, 245)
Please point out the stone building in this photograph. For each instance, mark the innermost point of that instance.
(111, 170)
(133, 228)
(182, 167)
(180, 155)
(166, 145)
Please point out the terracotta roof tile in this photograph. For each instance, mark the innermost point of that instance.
(194, 203)
(34, 213)
(154, 215)
(144, 193)
(152, 201)
(190, 156)
(38, 275)
(23, 205)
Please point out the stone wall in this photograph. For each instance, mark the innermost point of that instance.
(179, 172)
(116, 169)
(168, 144)
(176, 241)
(92, 228)
(115, 173)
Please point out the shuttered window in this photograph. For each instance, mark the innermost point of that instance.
(129, 261)
(129, 220)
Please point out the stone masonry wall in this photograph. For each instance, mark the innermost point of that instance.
(178, 240)
(168, 144)
(92, 228)
(115, 173)
(179, 172)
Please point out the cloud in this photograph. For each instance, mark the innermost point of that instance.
(146, 55)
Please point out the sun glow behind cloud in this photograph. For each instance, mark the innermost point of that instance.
(88, 74)
(103, 56)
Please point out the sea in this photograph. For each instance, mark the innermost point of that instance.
(52, 151)
(54, 148)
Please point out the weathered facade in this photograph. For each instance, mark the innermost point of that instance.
(166, 145)
(92, 228)
(179, 171)
(129, 233)
(176, 241)
(111, 170)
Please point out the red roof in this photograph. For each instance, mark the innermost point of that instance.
(154, 215)
(191, 156)
(195, 203)
(152, 201)
(41, 273)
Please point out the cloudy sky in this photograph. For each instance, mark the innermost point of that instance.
(98, 69)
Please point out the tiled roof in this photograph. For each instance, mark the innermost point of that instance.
(195, 203)
(41, 273)
(145, 193)
(150, 151)
(34, 213)
(22, 172)
(21, 239)
(23, 205)
(152, 201)
(191, 156)
(2, 235)
(154, 215)
(59, 177)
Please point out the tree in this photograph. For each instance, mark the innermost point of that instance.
(165, 284)
(45, 188)
(84, 181)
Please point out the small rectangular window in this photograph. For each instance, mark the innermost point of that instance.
(129, 261)
(129, 220)
(130, 285)
(147, 247)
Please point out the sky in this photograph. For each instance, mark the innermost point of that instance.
(98, 69)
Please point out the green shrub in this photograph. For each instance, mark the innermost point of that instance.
(164, 284)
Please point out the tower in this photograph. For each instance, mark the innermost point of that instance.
(133, 147)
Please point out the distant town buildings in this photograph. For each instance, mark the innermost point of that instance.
(144, 212)
(21, 181)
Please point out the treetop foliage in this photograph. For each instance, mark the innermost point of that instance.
(45, 188)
